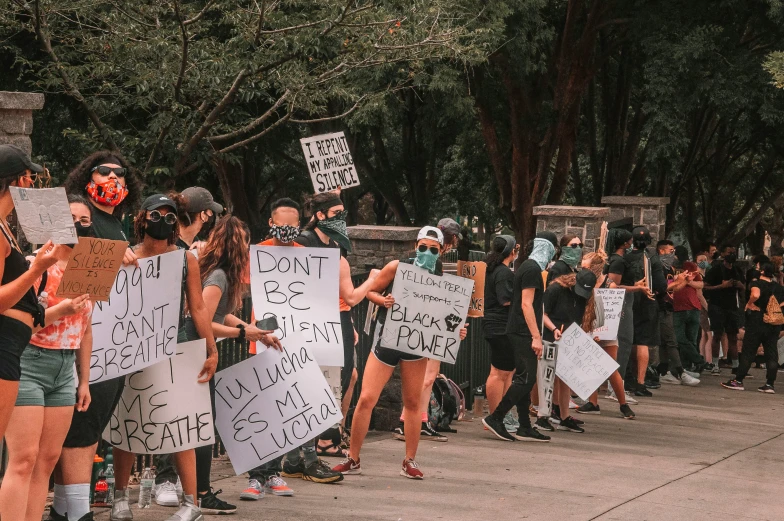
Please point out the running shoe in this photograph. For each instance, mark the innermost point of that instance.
(629, 397)
(643, 391)
(320, 472)
(529, 434)
(708, 367)
(430, 434)
(689, 380)
(411, 470)
(348, 467)
(650, 384)
(577, 421)
(589, 408)
(254, 492)
(292, 471)
(670, 378)
(188, 511)
(400, 432)
(210, 503)
(715, 371)
(767, 389)
(497, 427)
(568, 424)
(573, 404)
(121, 507)
(165, 494)
(543, 424)
(555, 418)
(734, 385)
(627, 412)
(693, 374)
(277, 487)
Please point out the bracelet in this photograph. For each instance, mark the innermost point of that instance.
(241, 327)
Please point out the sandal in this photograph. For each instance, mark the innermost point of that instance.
(333, 450)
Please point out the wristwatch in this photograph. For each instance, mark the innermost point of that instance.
(241, 327)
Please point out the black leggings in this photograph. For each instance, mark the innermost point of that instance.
(758, 332)
(204, 453)
(523, 381)
(347, 328)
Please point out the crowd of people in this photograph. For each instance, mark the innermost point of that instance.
(679, 318)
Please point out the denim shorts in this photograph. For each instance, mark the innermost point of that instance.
(47, 378)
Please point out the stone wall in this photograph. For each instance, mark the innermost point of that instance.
(650, 212)
(375, 246)
(16, 117)
(582, 221)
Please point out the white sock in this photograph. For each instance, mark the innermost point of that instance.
(59, 503)
(78, 499)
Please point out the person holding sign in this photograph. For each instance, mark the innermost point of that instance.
(46, 399)
(379, 367)
(524, 330)
(20, 311)
(156, 226)
(197, 218)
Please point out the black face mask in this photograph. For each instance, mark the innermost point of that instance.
(207, 227)
(731, 258)
(160, 230)
(83, 231)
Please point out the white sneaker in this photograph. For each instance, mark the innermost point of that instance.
(121, 508)
(716, 371)
(165, 494)
(188, 511)
(669, 378)
(687, 379)
(611, 395)
(630, 398)
(692, 374)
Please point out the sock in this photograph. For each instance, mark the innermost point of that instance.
(424, 417)
(735, 363)
(59, 504)
(310, 454)
(294, 457)
(77, 499)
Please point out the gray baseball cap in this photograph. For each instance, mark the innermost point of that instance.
(14, 161)
(450, 227)
(198, 199)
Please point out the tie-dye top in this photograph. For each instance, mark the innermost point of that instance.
(67, 332)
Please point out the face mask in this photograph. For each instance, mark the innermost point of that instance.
(335, 229)
(83, 231)
(667, 260)
(426, 259)
(731, 258)
(110, 193)
(285, 233)
(703, 265)
(572, 256)
(160, 230)
(207, 227)
(543, 252)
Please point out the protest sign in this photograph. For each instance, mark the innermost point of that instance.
(44, 215)
(329, 162)
(272, 403)
(476, 272)
(137, 326)
(428, 312)
(92, 268)
(545, 377)
(332, 376)
(612, 303)
(164, 409)
(582, 364)
(299, 286)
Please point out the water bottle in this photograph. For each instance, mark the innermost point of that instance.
(101, 490)
(145, 492)
(110, 484)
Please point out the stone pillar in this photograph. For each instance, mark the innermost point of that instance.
(582, 221)
(16, 117)
(375, 246)
(650, 212)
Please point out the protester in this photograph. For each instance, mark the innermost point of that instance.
(724, 285)
(156, 228)
(706, 336)
(759, 330)
(379, 367)
(47, 392)
(646, 315)
(197, 216)
(687, 304)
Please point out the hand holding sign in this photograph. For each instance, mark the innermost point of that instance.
(92, 268)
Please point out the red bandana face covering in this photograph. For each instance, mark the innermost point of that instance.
(110, 193)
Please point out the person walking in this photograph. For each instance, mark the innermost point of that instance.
(724, 287)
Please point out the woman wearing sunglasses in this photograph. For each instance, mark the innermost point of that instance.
(379, 367)
(156, 227)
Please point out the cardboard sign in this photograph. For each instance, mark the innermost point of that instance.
(137, 326)
(329, 162)
(428, 312)
(164, 409)
(272, 403)
(92, 268)
(300, 287)
(44, 215)
(582, 364)
(612, 304)
(545, 378)
(476, 272)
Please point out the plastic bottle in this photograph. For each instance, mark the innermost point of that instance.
(145, 492)
(101, 490)
(109, 483)
(97, 467)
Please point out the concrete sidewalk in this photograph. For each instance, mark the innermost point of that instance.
(701, 453)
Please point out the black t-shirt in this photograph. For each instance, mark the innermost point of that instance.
(527, 276)
(663, 298)
(619, 266)
(499, 286)
(563, 307)
(182, 244)
(726, 298)
(310, 239)
(635, 262)
(107, 226)
(767, 290)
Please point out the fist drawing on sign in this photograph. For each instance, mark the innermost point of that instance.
(452, 321)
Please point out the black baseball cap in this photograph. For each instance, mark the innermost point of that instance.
(641, 233)
(198, 199)
(550, 236)
(586, 281)
(157, 201)
(14, 161)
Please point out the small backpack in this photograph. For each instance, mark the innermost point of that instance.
(446, 404)
(773, 314)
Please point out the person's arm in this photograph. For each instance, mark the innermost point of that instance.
(201, 319)
(530, 319)
(677, 284)
(13, 292)
(63, 309)
(711, 282)
(504, 289)
(83, 397)
(383, 280)
(351, 295)
(755, 295)
(703, 302)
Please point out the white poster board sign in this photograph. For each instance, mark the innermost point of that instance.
(428, 312)
(44, 215)
(299, 286)
(164, 409)
(582, 364)
(137, 327)
(272, 403)
(545, 378)
(329, 162)
(332, 376)
(612, 302)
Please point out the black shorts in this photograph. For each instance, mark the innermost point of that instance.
(87, 427)
(724, 320)
(14, 337)
(501, 353)
(391, 357)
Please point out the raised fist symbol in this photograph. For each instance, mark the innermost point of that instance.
(452, 321)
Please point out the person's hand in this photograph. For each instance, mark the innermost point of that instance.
(356, 337)
(641, 285)
(596, 339)
(389, 301)
(536, 345)
(46, 256)
(197, 247)
(739, 285)
(130, 258)
(254, 334)
(83, 398)
(208, 369)
(272, 341)
(72, 306)
(464, 332)
(725, 284)
(557, 332)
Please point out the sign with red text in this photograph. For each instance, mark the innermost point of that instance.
(92, 268)
(329, 162)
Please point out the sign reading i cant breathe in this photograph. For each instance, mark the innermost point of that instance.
(428, 312)
(329, 162)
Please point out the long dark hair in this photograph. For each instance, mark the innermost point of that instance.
(496, 256)
(316, 204)
(227, 249)
(81, 175)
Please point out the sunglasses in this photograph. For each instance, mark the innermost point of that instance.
(579, 245)
(105, 170)
(423, 248)
(169, 218)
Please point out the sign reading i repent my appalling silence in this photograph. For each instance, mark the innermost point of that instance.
(329, 162)
(428, 312)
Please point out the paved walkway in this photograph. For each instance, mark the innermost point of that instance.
(696, 454)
